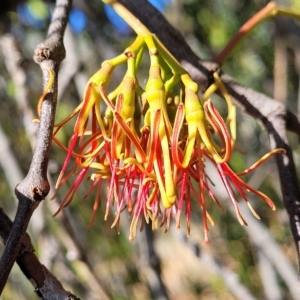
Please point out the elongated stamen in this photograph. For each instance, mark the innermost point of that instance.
(151, 146)
(261, 160)
(216, 117)
(45, 92)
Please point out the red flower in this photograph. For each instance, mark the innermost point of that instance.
(150, 146)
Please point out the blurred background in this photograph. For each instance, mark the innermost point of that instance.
(254, 262)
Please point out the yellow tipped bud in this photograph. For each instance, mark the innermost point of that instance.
(189, 83)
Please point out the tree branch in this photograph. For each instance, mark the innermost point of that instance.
(35, 186)
(273, 115)
(46, 285)
(271, 112)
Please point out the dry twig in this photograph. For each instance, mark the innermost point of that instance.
(35, 186)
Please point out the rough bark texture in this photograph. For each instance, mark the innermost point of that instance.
(35, 186)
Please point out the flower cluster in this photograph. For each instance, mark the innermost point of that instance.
(150, 145)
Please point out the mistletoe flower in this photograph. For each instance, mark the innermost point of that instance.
(150, 147)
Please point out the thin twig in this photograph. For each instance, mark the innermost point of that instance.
(13, 59)
(46, 285)
(8, 162)
(35, 187)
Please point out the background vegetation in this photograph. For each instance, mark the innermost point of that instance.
(97, 262)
